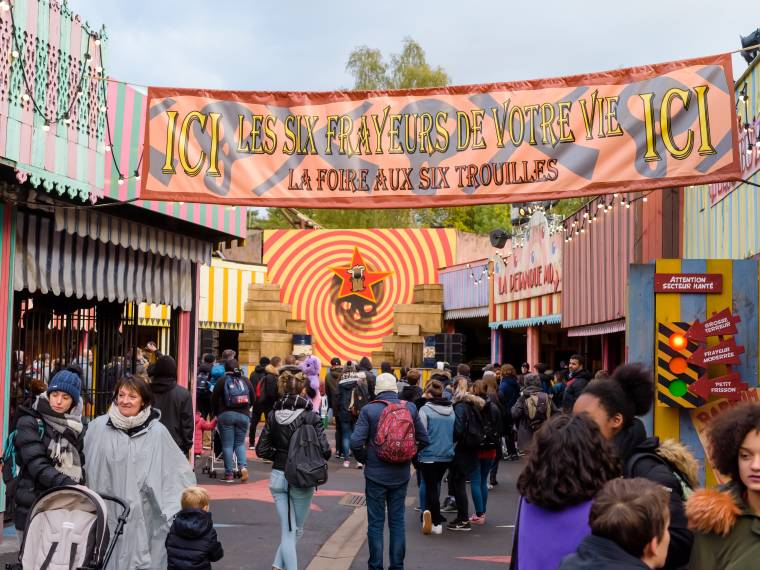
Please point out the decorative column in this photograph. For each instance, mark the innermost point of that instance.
(496, 351)
(534, 344)
(7, 254)
(183, 347)
(606, 352)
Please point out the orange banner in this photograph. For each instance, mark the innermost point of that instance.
(669, 124)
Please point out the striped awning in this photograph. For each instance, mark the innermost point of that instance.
(529, 322)
(140, 237)
(223, 293)
(66, 264)
(455, 314)
(601, 328)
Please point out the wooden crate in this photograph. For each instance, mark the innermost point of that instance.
(406, 330)
(294, 326)
(428, 294)
(267, 317)
(380, 356)
(408, 354)
(429, 317)
(265, 293)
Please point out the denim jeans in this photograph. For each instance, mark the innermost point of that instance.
(233, 427)
(346, 429)
(378, 498)
(479, 485)
(300, 502)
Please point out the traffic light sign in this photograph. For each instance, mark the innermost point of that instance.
(676, 369)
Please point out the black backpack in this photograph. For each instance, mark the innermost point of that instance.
(480, 430)
(359, 398)
(306, 466)
(202, 383)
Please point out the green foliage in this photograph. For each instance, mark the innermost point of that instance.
(406, 70)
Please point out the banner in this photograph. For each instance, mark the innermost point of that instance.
(634, 129)
(534, 268)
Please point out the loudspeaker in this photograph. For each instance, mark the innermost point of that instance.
(498, 238)
(751, 40)
(449, 347)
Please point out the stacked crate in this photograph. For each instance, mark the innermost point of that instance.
(268, 325)
(411, 323)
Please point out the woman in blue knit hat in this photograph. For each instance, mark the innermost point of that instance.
(49, 439)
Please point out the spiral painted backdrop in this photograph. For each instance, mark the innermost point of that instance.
(307, 264)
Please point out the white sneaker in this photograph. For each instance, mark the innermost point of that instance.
(359, 465)
(346, 464)
(436, 529)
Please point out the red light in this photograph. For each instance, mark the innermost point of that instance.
(677, 341)
(678, 365)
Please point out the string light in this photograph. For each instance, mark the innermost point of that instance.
(137, 175)
(46, 126)
(5, 6)
(121, 180)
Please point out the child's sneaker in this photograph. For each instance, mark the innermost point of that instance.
(243, 475)
(436, 529)
(346, 464)
(229, 478)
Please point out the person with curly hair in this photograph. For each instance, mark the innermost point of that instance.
(568, 463)
(726, 520)
(613, 403)
(291, 412)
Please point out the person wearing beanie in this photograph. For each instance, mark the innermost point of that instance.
(49, 440)
(385, 483)
(174, 402)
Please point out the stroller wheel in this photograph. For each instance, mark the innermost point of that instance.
(212, 474)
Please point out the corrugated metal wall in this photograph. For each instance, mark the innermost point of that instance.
(595, 267)
(459, 289)
(595, 263)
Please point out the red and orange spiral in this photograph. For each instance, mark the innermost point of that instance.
(301, 262)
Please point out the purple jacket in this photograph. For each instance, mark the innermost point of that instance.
(546, 537)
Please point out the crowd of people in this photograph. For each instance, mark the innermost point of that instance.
(608, 495)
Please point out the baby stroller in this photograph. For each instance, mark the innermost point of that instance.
(67, 529)
(215, 460)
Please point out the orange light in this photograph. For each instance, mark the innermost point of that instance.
(678, 365)
(677, 341)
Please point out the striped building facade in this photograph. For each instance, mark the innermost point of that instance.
(722, 221)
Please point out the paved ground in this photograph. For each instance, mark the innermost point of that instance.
(249, 528)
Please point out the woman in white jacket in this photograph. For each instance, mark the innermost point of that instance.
(131, 455)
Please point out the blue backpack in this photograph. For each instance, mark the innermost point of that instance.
(236, 394)
(10, 468)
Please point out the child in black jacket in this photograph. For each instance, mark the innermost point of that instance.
(192, 542)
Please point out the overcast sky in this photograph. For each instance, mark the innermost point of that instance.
(304, 45)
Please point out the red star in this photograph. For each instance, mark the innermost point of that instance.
(369, 278)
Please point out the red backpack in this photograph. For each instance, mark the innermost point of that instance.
(395, 438)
